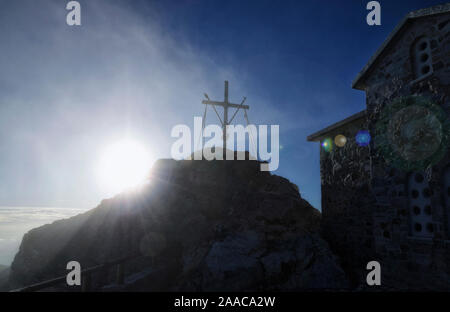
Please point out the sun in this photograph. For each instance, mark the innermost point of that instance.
(122, 166)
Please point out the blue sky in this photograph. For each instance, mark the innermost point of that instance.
(138, 68)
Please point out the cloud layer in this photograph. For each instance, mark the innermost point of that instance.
(16, 221)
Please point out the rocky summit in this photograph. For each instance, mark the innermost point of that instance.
(195, 226)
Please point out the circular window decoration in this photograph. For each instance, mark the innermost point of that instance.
(412, 133)
(427, 192)
(423, 46)
(418, 227)
(419, 177)
(424, 57)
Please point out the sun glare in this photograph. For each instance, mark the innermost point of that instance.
(123, 165)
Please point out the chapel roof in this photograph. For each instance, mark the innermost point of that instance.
(319, 135)
(358, 82)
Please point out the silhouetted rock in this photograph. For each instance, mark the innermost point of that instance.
(197, 225)
(4, 277)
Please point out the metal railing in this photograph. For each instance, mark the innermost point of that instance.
(86, 275)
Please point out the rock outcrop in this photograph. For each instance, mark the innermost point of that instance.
(197, 226)
(4, 276)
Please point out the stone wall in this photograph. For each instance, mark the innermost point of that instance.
(345, 176)
(408, 261)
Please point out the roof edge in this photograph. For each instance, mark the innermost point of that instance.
(437, 9)
(321, 133)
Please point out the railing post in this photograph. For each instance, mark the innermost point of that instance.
(86, 282)
(120, 273)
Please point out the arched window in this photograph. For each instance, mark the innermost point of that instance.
(421, 58)
(419, 193)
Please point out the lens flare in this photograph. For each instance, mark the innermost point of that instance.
(412, 133)
(363, 138)
(340, 140)
(327, 145)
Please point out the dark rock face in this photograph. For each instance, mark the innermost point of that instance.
(4, 276)
(197, 226)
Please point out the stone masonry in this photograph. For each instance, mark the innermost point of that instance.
(375, 211)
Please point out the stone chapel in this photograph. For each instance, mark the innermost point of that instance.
(389, 200)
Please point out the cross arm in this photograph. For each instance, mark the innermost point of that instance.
(227, 104)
